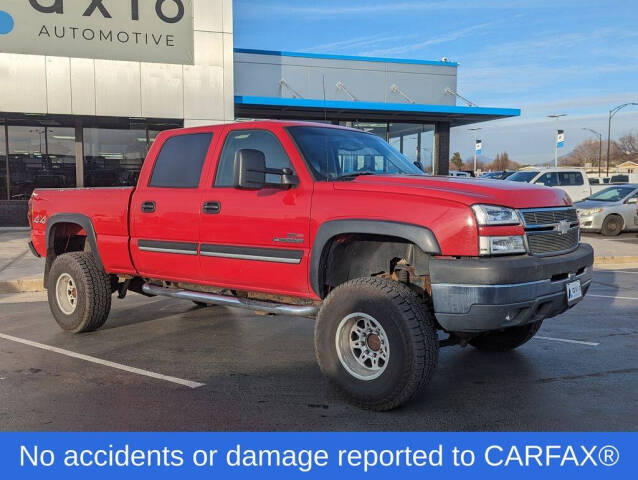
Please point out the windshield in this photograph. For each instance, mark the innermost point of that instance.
(333, 153)
(524, 176)
(612, 194)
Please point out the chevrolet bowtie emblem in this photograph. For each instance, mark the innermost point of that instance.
(562, 227)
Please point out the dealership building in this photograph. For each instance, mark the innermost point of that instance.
(86, 85)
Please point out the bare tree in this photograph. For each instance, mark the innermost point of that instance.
(457, 161)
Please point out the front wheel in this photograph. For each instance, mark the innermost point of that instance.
(505, 340)
(376, 341)
(79, 292)
(612, 225)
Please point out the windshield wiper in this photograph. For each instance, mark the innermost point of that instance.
(350, 176)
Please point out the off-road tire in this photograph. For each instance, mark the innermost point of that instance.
(411, 332)
(612, 225)
(505, 340)
(93, 292)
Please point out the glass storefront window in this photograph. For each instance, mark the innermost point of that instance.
(3, 165)
(40, 157)
(415, 141)
(114, 157)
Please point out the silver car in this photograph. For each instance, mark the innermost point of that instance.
(610, 211)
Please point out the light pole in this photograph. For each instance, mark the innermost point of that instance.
(613, 112)
(600, 146)
(556, 117)
(474, 130)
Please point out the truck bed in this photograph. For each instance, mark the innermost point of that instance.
(106, 208)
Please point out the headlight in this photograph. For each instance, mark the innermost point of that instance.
(501, 245)
(586, 212)
(494, 215)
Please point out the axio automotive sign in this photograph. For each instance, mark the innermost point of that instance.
(139, 30)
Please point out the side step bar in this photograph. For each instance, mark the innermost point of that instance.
(238, 302)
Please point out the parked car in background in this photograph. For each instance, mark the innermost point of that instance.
(459, 173)
(498, 175)
(598, 180)
(572, 181)
(610, 211)
(624, 178)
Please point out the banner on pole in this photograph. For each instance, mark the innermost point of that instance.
(478, 147)
(560, 138)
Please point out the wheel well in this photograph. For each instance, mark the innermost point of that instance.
(349, 256)
(64, 237)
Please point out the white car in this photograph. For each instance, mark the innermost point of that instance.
(573, 181)
(458, 173)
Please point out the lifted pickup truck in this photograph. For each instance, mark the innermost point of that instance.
(316, 220)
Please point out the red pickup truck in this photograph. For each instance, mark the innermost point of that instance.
(319, 221)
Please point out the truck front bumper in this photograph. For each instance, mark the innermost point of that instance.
(481, 294)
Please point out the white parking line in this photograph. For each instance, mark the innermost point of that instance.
(611, 296)
(566, 340)
(615, 271)
(106, 363)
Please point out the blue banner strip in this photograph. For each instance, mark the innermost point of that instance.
(319, 455)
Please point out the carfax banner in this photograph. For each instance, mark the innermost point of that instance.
(319, 455)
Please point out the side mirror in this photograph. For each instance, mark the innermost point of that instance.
(249, 169)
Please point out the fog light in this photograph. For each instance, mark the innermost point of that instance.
(501, 245)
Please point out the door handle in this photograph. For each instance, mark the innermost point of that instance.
(148, 207)
(212, 208)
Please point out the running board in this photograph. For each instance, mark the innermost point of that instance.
(237, 302)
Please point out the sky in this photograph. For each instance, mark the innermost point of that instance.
(542, 56)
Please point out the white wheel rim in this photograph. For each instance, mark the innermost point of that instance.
(362, 346)
(66, 293)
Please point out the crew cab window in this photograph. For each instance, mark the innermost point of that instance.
(570, 179)
(180, 161)
(549, 179)
(261, 140)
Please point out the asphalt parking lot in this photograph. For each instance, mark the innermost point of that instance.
(233, 370)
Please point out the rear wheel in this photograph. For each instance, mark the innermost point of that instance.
(376, 342)
(612, 225)
(505, 340)
(79, 292)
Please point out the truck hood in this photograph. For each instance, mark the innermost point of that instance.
(467, 191)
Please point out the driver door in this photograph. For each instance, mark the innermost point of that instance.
(257, 239)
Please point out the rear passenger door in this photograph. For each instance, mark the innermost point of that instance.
(166, 207)
(257, 239)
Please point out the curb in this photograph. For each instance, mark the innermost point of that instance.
(614, 260)
(22, 285)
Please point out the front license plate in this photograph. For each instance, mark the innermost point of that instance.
(574, 292)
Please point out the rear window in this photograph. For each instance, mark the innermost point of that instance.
(180, 161)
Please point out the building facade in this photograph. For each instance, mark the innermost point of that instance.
(85, 86)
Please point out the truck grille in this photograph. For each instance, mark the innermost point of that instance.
(549, 217)
(551, 230)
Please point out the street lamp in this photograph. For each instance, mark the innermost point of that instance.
(474, 130)
(556, 117)
(613, 112)
(600, 146)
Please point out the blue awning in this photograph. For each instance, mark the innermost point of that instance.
(303, 108)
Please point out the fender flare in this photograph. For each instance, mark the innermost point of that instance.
(421, 236)
(79, 219)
